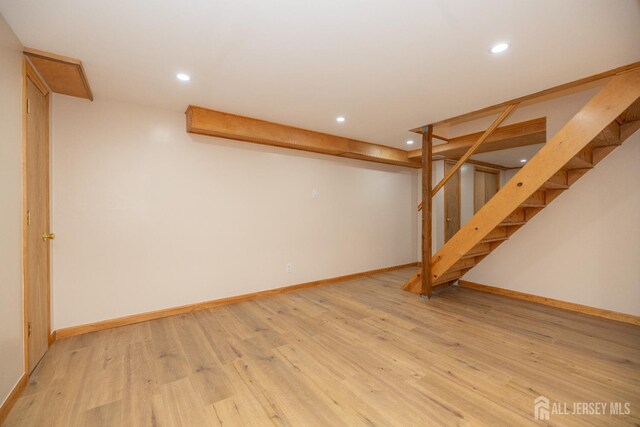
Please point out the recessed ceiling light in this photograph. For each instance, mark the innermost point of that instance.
(340, 119)
(500, 47)
(409, 142)
(523, 160)
(183, 77)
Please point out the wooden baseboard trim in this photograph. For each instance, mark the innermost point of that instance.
(52, 338)
(6, 406)
(151, 315)
(571, 306)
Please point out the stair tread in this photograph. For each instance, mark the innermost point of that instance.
(458, 275)
(464, 267)
(578, 163)
(442, 285)
(475, 254)
(507, 223)
(455, 270)
(600, 144)
(493, 239)
(554, 186)
(532, 205)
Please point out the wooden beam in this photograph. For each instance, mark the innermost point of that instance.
(442, 138)
(474, 147)
(486, 164)
(427, 144)
(62, 74)
(560, 90)
(520, 134)
(203, 121)
(414, 284)
(416, 154)
(612, 100)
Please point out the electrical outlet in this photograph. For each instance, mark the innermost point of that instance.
(315, 194)
(289, 268)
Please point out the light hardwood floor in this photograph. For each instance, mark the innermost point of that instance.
(361, 352)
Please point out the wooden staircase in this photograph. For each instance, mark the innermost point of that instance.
(602, 125)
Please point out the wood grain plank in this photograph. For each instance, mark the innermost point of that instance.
(62, 74)
(358, 353)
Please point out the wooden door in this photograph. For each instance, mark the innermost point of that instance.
(37, 238)
(451, 202)
(491, 184)
(486, 183)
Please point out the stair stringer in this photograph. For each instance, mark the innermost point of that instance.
(609, 103)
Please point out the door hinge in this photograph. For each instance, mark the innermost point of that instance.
(28, 106)
(29, 329)
(28, 217)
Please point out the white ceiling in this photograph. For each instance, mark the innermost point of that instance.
(388, 66)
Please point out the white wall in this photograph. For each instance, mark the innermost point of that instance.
(505, 176)
(147, 216)
(11, 337)
(585, 246)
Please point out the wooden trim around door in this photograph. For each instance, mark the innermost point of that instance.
(173, 311)
(444, 196)
(30, 73)
(486, 170)
(571, 306)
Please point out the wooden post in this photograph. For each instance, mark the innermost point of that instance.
(427, 149)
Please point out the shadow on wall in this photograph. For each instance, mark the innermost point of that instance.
(283, 152)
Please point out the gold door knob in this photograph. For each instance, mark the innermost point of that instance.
(48, 236)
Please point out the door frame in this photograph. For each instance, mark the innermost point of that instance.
(444, 196)
(29, 72)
